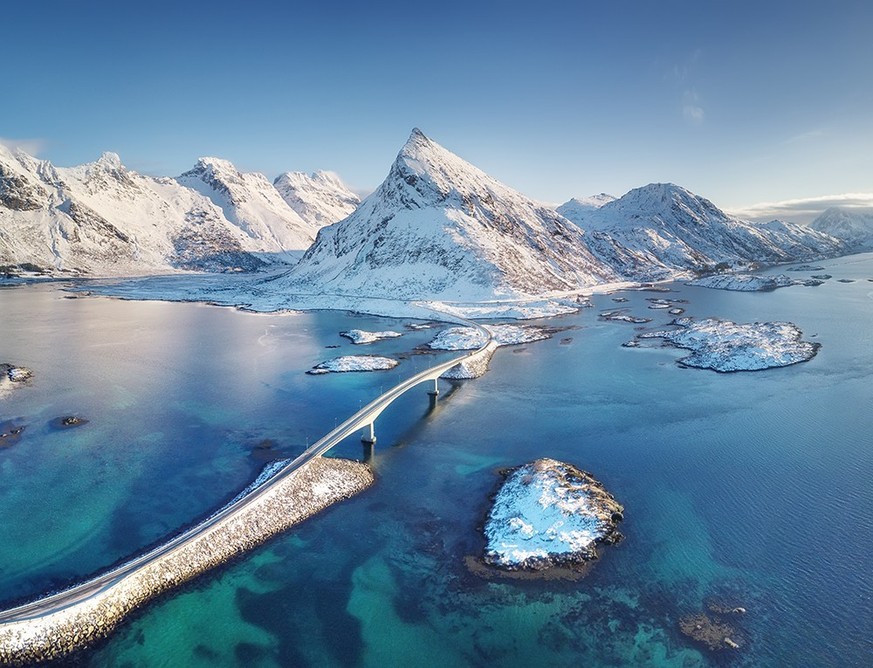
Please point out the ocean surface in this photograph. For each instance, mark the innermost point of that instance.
(750, 490)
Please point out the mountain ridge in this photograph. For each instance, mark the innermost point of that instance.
(100, 218)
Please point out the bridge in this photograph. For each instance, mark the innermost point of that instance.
(364, 419)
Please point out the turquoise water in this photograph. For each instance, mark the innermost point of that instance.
(748, 489)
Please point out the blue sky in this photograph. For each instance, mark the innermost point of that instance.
(742, 102)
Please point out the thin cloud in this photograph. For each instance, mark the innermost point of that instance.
(804, 137)
(806, 209)
(30, 146)
(691, 109)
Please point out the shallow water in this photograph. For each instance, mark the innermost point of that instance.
(749, 489)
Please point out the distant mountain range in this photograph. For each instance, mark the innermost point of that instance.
(437, 227)
(662, 229)
(104, 219)
(852, 226)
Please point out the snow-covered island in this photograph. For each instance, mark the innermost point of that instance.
(623, 315)
(359, 336)
(549, 513)
(353, 363)
(750, 282)
(470, 338)
(725, 346)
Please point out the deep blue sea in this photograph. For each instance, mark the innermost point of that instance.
(747, 489)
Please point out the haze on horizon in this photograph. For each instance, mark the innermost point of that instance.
(767, 110)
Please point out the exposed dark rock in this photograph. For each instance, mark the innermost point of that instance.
(68, 422)
(16, 374)
(17, 193)
(10, 433)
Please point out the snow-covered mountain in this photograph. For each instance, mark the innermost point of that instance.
(660, 229)
(252, 203)
(103, 219)
(438, 227)
(577, 208)
(320, 198)
(852, 226)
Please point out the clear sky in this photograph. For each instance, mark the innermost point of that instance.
(742, 102)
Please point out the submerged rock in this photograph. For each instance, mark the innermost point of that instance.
(549, 513)
(10, 432)
(714, 633)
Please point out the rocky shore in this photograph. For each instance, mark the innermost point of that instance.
(54, 633)
(473, 366)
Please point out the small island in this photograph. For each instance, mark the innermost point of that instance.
(360, 337)
(349, 363)
(550, 514)
(623, 315)
(725, 346)
(751, 282)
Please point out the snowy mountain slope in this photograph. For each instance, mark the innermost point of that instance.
(660, 229)
(321, 198)
(852, 226)
(438, 227)
(253, 204)
(576, 209)
(103, 219)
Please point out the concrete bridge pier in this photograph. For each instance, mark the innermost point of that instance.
(369, 435)
(435, 390)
